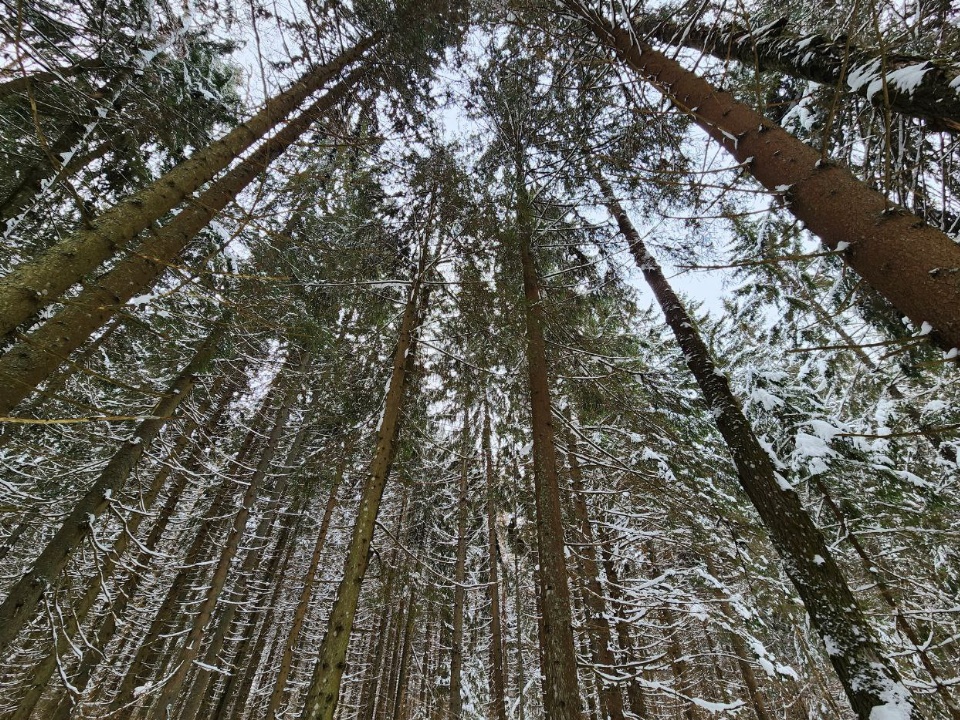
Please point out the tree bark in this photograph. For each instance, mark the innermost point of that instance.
(24, 596)
(459, 593)
(827, 61)
(869, 679)
(324, 689)
(408, 633)
(190, 648)
(561, 686)
(907, 261)
(35, 284)
(497, 680)
(28, 363)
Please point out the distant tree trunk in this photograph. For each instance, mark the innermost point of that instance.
(31, 361)
(497, 681)
(306, 591)
(905, 260)
(324, 688)
(407, 648)
(865, 672)
(35, 284)
(561, 684)
(190, 648)
(21, 602)
(594, 605)
(138, 668)
(393, 667)
(824, 60)
(459, 593)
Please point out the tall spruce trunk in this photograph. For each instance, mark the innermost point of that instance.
(868, 677)
(22, 600)
(497, 680)
(323, 692)
(306, 591)
(460, 575)
(825, 60)
(907, 261)
(561, 687)
(35, 284)
(31, 361)
(190, 648)
(596, 614)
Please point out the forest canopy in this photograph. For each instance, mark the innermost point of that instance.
(428, 359)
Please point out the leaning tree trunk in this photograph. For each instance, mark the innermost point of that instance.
(868, 677)
(22, 600)
(459, 593)
(28, 363)
(190, 648)
(828, 61)
(497, 681)
(910, 263)
(323, 692)
(43, 670)
(306, 591)
(561, 688)
(35, 284)
(597, 624)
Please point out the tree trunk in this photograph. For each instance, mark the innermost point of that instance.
(303, 602)
(596, 614)
(28, 363)
(459, 593)
(867, 676)
(497, 681)
(905, 260)
(35, 284)
(324, 689)
(561, 687)
(191, 645)
(827, 61)
(22, 83)
(24, 596)
(405, 654)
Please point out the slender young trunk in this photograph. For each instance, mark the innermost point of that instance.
(497, 681)
(459, 594)
(37, 283)
(324, 689)
(28, 363)
(739, 648)
(596, 613)
(44, 669)
(827, 61)
(148, 651)
(405, 654)
(868, 677)
(624, 638)
(303, 602)
(518, 609)
(191, 645)
(901, 257)
(22, 600)
(392, 668)
(561, 687)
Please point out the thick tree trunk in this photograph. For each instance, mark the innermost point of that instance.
(827, 61)
(460, 575)
(21, 602)
(324, 688)
(41, 281)
(306, 591)
(497, 680)
(139, 667)
(561, 687)
(28, 363)
(43, 670)
(191, 645)
(908, 262)
(867, 676)
(594, 605)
